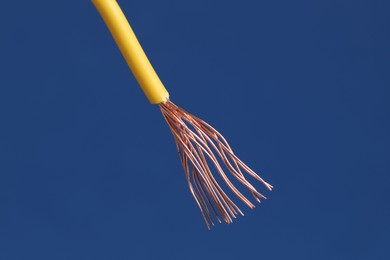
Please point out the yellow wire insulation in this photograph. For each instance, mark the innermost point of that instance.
(132, 50)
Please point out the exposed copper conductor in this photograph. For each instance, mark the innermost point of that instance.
(200, 145)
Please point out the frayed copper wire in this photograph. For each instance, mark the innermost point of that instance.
(197, 142)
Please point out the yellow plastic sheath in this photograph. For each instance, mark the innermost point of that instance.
(132, 50)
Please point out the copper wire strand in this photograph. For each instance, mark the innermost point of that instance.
(197, 142)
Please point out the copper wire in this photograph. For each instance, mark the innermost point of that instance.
(197, 144)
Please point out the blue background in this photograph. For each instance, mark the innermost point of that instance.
(89, 170)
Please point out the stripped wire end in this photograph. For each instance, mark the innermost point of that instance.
(199, 143)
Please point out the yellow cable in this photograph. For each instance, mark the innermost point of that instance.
(132, 50)
(198, 150)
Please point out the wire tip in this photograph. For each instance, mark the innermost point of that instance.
(199, 145)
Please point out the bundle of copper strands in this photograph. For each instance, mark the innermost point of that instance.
(201, 148)
(197, 143)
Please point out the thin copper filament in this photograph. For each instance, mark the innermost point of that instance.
(200, 146)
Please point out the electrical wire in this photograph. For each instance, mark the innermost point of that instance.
(201, 147)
